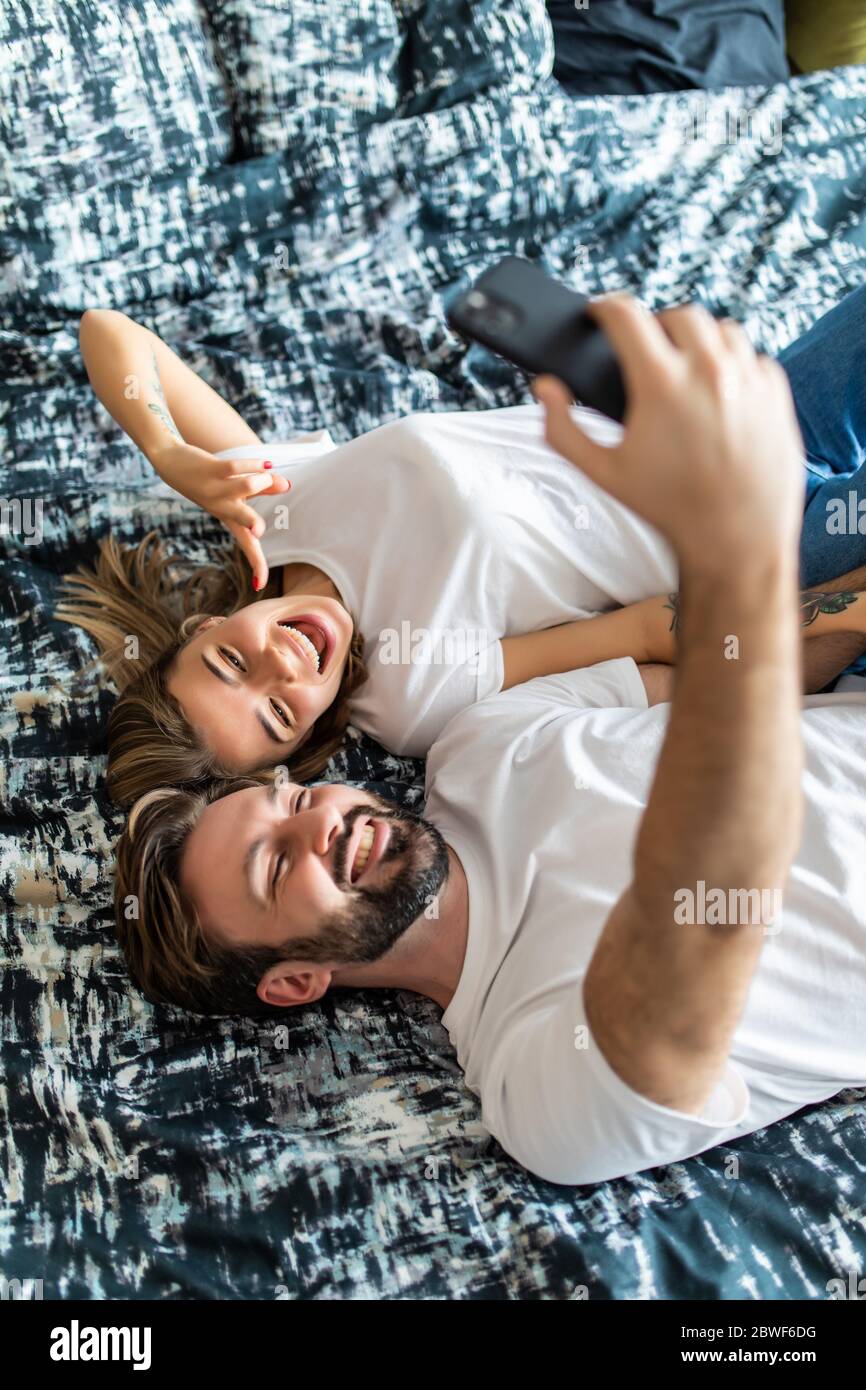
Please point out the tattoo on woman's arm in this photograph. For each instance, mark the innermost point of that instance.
(813, 604)
(674, 604)
(160, 407)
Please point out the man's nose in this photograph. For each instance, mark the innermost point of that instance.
(316, 828)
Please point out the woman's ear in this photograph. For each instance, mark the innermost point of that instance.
(196, 623)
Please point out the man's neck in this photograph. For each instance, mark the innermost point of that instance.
(428, 958)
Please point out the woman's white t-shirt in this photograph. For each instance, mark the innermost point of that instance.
(445, 532)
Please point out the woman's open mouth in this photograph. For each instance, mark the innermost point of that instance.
(312, 637)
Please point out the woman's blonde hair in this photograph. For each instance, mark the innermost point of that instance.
(142, 605)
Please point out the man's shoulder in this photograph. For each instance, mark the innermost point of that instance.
(524, 710)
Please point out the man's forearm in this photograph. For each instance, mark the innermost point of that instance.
(824, 658)
(832, 617)
(725, 792)
(663, 997)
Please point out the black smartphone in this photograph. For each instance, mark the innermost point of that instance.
(541, 325)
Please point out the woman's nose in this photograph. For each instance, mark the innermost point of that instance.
(280, 663)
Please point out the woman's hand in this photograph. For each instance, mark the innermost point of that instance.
(221, 486)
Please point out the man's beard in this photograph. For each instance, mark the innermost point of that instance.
(374, 918)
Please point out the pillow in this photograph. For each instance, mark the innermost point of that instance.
(637, 46)
(94, 92)
(828, 35)
(312, 68)
(306, 68)
(458, 49)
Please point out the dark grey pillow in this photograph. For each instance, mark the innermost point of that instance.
(633, 46)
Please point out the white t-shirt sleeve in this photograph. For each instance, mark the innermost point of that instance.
(285, 452)
(283, 455)
(493, 722)
(410, 719)
(557, 1106)
(604, 686)
(276, 542)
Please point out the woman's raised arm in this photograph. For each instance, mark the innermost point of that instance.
(178, 422)
(151, 393)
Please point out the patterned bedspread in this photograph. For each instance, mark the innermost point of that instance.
(287, 193)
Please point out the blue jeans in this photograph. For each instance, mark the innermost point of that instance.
(827, 372)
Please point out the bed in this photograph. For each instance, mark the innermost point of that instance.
(288, 194)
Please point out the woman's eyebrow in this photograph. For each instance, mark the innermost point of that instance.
(223, 675)
(267, 728)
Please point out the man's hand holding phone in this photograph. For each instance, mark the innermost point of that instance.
(712, 454)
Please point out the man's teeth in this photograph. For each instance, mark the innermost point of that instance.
(363, 854)
(305, 642)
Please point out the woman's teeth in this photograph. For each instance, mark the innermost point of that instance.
(363, 854)
(305, 643)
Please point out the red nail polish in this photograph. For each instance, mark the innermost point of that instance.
(267, 464)
(255, 581)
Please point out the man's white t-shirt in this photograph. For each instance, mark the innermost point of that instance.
(445, 532)
(540, 791)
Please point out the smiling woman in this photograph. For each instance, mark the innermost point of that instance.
(194, 628)
(283, 659)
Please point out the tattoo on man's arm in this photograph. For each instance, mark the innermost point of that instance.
(160, 407)
(810, 606)
(813, 604)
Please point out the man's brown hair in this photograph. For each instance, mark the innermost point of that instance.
(168, 954)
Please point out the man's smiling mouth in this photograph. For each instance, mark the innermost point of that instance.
(366, 844)
(369, 849)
